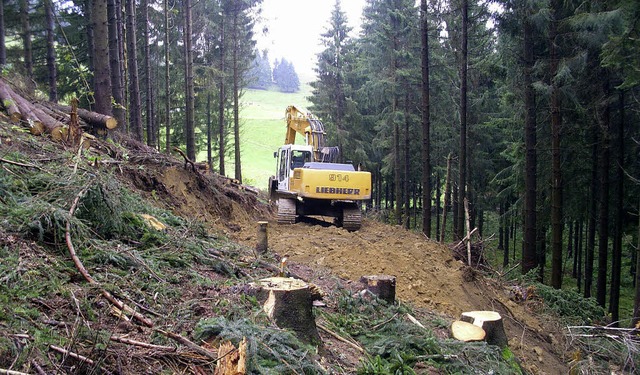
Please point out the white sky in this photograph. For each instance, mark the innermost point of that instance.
(294, 28)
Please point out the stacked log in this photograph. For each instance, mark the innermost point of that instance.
(50, 119)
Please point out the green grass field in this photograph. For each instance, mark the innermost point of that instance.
(262, 130)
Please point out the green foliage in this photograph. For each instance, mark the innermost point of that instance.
(569, 305)
(269, 350)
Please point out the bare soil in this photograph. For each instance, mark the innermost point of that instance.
(428, 277)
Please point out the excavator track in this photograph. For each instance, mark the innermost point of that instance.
(286, 211)
(351, 218)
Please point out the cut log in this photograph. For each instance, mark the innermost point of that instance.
(26, 109)
(290, 306)
(9, 103)
(92, 117)
(262, 244)
(232, 361)
(492, 324)
(467, 332)
(383, 286)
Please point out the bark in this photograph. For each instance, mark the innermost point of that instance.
(102, 75)
(616, 261)
(591, 224)
(189, 89)
(636, 304)
(405, 164)
(236, 98)
(556, 173)
(167, 97)
(114, 13)
(151, 133)
(382, 286)
(491, 323)
(446, 204)
(51, 51)
(289, 305)
(426, 122)
(462, 166)
(135, 121)
(221, 123)
(91, 117)
(209, 133)
(603, 219)
(579, 256)
(26, 38)
(9, 103)
(3, 46)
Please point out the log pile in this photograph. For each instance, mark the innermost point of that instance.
(54, 120)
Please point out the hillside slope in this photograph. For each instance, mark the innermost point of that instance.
(190, 279)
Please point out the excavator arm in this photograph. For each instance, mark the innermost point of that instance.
(312, 130)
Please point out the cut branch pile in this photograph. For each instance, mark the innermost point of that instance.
(49, 118)
(460, 252)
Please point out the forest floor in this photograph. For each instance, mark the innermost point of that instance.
(428, 277)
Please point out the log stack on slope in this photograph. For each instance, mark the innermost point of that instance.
(47, 118)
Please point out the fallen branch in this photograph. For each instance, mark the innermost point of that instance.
(415, 321)
(72, 354)
(85, 273)
(340, 338)
(11, 372)
(141, 344)
(189, 344)
(19, 164)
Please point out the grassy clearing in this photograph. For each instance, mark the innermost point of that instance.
(262, 132)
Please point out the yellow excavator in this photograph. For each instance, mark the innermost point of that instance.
(308, 179)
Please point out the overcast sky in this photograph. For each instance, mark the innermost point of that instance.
(294, 28)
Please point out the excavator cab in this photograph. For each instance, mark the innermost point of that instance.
(291, 157)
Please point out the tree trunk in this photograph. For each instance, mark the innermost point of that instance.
(491, 323)
(236, 97)
(51, 51)
(636, 304)
(188, 79)
(209, 133)
(167, 93)
(529, 260)
(151, 133)
(114, 12)
(382, 286)
(426, 122)
(3, 45)
(405, 164)
(221, 121)
(289, 305)
(616, 261)
(462, 166)
(556, 172)
(135, 120)
(102, 75)
(446, 204)
(26, 42)
(591, 224)
(579, 252)
(603, 223)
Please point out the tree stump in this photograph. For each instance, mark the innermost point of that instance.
(492, 324)
(383, 286)
(290, 306)
(262, 245)
(467, 332)
(232, 361)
